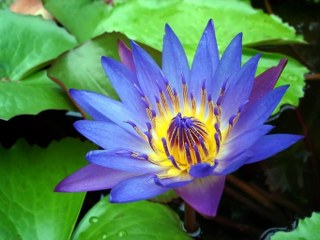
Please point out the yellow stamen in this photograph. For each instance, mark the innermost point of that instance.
(164, 102)
(203, 101)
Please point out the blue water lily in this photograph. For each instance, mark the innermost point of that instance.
(178, 127)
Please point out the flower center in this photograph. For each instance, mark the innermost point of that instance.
(183, 131)
(187, 140)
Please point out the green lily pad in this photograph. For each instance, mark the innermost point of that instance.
(29, 208)
(130, 221)
(28, 43)
(187, 17)
(31, 96)
(307, 229)
(80, 17)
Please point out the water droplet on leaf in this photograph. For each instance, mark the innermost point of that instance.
(93, 220)
(104, 236)
(122, 234)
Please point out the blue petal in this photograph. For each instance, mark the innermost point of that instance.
(126, 58)
(122, 160)
(226, 167)
(149, 74)
(174, 61)
(238, 89)
(110, 136)
(235, 146)
(174, 182)
(266, 81)
(258, 113)
(203, 194)
(205, 61)
(265, 147)
(228, 66)
(270, 145)
(122, 80)
(92, 177)
(234, 153)
(201, 170)
(102, 108)
(136, 188)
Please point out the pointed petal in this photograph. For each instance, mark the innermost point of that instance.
(238, 89)
(110, 136)
(270, 145)
(92, 177)
(126, 57)
(174, 61)
(265, 147)
(205, 61)
(149, 74)
(266, 81)
(228, 66)
(122, 160)
(136, 188)
(102, 108)
(201, 170)
(122, 80)
(241, 143)
(259, 112)
(235, 153)
(203, 194)
(174, 182)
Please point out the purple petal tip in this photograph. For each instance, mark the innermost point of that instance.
(283, 62)
(167, 28)
(210, 24)
(73, 91)
(64, 186)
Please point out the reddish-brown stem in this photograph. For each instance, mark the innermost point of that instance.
(190, 221)
(64, 88)
(312, 76)
(252, 192)
(268, 6)
(276, 198)
(237, 226)
(310, 146)
(272, 216)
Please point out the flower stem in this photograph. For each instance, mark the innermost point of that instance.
(190, 222)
